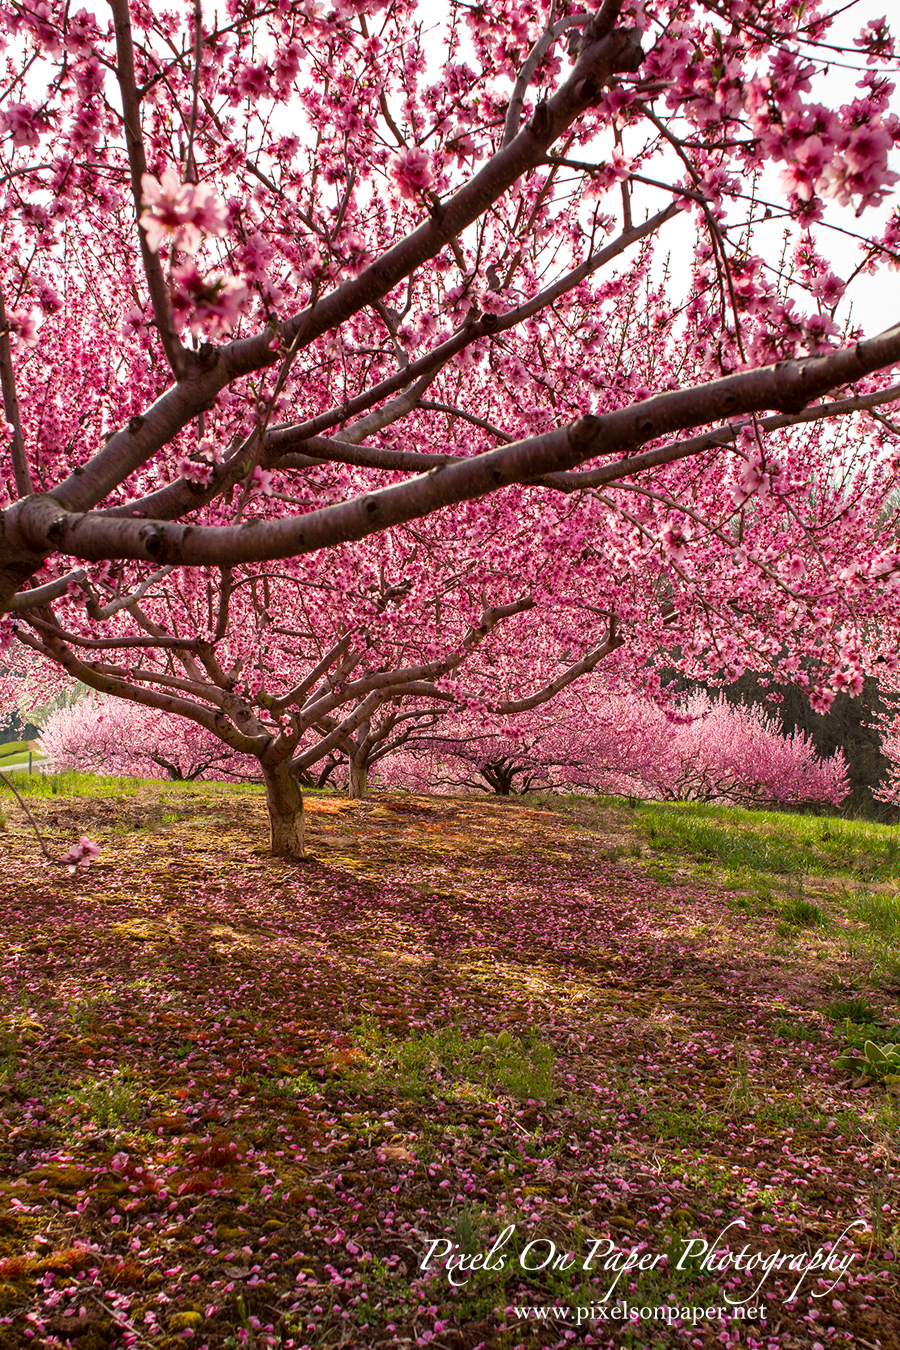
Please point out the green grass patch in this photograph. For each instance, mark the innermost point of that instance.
(71, 783)
(803, 913)
(772, 841)
(880, 913)
(116, 1101)
(789, 1030)
(14, 753)
(851, 1010)
(448, 1063)
(14, 748)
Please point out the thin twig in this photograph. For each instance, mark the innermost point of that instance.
(40, 840)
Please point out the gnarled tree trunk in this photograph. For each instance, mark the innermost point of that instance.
(285, 802)
(359, 762)
(359, 776)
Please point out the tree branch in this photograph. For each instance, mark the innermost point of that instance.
(39, 524)
(21, 468)
(617, 52)
(137, 160)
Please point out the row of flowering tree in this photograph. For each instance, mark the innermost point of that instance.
(345, 385)
(698, 749)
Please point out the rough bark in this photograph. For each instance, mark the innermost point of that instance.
(359, 761)
(359, 777)
(284, 799)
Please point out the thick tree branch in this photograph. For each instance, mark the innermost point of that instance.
(217, 723)
(617, 52)
(180, 496)
(574, 672)
(39, 524)
(21, 469)
(51, 590)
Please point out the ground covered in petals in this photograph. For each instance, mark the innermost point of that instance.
(241, 1101)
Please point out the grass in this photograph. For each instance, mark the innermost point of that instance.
(456, 1063)
(880, 913)
(109, 1103)
(856, 1010)
(803, 913)
(14, 748)
(790, 1030)
(71, 784)
(13, 753)
(821, 879)
(773, 841)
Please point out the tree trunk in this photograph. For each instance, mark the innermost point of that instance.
(359, 776)
(359, 763)
(285, 802)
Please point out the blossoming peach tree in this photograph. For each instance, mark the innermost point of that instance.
(345, 377)
(595, 739)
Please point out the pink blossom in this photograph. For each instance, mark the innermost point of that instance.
(753, 479)
(215, 301)
(81, 852)
(861, 170)
(674, 539)
(23, 123)
(183, 212)
(261, 482)
(134, 322)
(195, 472)
(808, 162)
(24, 326)
(411, 171)
(354, 251)
(252, 80)
(125, 738)
(208, 450)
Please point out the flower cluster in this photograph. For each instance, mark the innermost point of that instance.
(411, 172)
(180, 212)
(214, 302)
(82, 852)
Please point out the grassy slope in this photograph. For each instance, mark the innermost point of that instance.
(258, 1090)
(16, 752)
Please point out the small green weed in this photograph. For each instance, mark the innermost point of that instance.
(795, 1031)
(803, 913)
(851, 1010)
(684, 1126)
(110, 1103)
(881, 1062)
(298, 1085)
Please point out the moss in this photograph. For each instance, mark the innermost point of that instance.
(10, 1297)
(97, 1338)
(186, 1321)
(64, 1178)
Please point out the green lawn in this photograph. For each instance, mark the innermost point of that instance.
(16, 752)
(13, 748)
